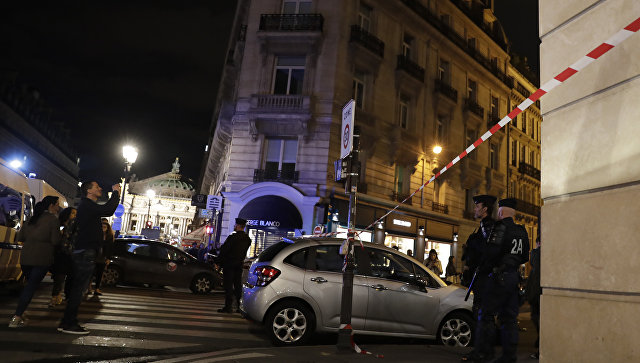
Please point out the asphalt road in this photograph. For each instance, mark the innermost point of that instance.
(143, 324)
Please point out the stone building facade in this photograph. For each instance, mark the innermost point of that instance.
(422, 73)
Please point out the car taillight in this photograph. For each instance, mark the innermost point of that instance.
(265, 275)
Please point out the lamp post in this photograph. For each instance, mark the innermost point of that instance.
(150, 194)
(130, 154)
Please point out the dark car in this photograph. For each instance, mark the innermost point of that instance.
(142, 261)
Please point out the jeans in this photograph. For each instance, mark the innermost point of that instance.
(34, 275)
(83, 264)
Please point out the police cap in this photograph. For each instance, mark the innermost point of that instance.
(241, 221)
(486, 200)
(507, 202)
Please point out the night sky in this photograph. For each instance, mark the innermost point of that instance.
(146, 72)
(143, 72)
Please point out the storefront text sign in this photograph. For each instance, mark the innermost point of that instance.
(399, 222)
(261, 223)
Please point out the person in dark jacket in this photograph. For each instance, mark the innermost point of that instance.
(103, 256)
(231, 259)
(88, 242)
(40, 236)
(61, 268)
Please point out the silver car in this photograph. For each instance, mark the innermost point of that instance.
(295, 289)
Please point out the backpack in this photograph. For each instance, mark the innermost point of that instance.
(70, 236)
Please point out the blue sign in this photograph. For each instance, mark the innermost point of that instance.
(119, 211)
(117, 223)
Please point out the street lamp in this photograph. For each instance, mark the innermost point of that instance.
(130, 154)
(150, 194)
(16, 164)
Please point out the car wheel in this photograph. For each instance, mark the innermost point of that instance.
(456, 330)
(290, 323)
(111, 276)
(202, 284)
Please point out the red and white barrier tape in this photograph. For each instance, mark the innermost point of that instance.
(355, 346)
(596, 53)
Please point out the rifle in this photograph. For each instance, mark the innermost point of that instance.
(473, 279)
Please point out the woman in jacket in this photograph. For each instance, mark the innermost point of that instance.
(433, 263)
(39, 236)
(103, 255)
(61, 268)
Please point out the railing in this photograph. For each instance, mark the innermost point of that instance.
(526, 207)
(291, 22)
(282, 176)
(368, 40)
(407, 65)
(475, 13)
(438, 207)
(523, 91)
(400, 197)
(280, 102)
(472, 106)
(450, 33)
(529, 170)
(447, 90)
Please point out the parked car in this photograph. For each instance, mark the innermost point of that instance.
(295, 289)
(152, 262)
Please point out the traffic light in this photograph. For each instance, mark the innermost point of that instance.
(209, 229)
(149, 224)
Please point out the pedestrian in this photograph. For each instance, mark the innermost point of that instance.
(104, 253)
(451, 272)
(532, 294)
(433, 263)
(507, 248)
(231, 258)
(85, 250)
(39, 236)
(409, 253)
(61, 268)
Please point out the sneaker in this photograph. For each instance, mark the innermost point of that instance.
(16, 322)
(78, 330)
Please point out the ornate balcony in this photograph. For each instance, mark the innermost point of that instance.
(407, 65)
(530, 170)
(528, 208)
(400, 197)
(281, 176)
(367, 40)
(280, 103)
(438, 207)
(473, 107)
(446, 89)
(291, 22)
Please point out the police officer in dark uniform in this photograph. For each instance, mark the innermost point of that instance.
(231, 259)
(507, 248)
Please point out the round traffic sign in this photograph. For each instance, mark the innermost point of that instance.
(345, 136)
(119, 210)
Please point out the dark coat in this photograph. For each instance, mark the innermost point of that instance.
(39, 240)
(234, 250)
(89, 221)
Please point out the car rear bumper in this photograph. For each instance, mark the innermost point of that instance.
(256, 301)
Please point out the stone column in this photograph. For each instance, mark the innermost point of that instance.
(378, 234)
(590, 185)
(418, 249)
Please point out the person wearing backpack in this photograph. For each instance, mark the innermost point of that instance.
(85, 249)
(61, 267)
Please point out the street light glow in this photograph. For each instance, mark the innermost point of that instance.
(129, 153)
(15, 163)
(151, 193)
(437, 149)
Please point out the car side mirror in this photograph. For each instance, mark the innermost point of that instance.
(422, 283)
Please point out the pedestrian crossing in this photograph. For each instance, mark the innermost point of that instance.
(131, 323)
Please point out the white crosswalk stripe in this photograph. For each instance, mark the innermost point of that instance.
(132, 323)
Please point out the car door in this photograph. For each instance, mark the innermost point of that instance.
(398, 301)
(169, 269)
(141, 264)
(323, 283)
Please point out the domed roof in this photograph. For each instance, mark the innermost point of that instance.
(171, 185)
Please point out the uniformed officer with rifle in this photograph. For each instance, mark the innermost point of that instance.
(507, 248)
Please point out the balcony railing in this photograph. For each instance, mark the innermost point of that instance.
(492, 120)
(291, 22)
(472, 106)
(367, 40)
(282, 176)
(447, 90)
(438, 207)
(400, 197)
(426, 14)
(526, 207)
(530, 170)
(407, 65)
(280, 102)
(523, 91)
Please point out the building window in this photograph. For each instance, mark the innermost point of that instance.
(358, 92)
(289, 76)
(524, 122)
(472, 90)
(446, 19)
(523, 154)
(407, 44)
(472, 43)
(296, 6)
(364, 17)
(471, 136)
(444, 72)
(494, 156)
(280, 156)
(532, 158)
(495, 108)
(513, 191)
(400, 180)
(134, 224)
(441, 129)
(514, 153)
(403, 112)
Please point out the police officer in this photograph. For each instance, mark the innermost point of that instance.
(474, 249)
(507, 248)
(231, 258)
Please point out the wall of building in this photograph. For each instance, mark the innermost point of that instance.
(590, 185)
